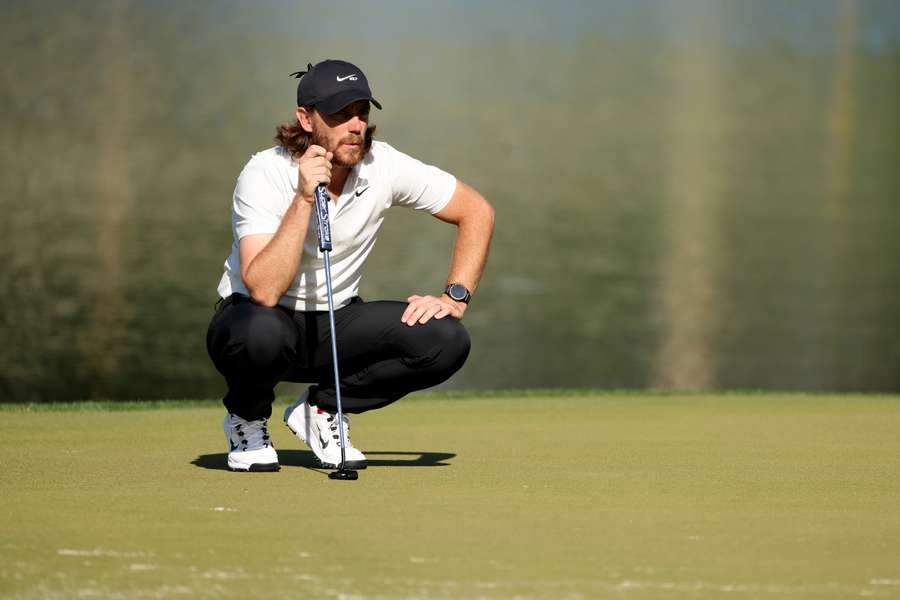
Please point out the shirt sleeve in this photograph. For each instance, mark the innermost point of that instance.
(255, 206)
(419, 186)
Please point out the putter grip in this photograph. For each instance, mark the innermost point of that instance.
(323, 225)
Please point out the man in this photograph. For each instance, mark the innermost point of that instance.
(271, 323)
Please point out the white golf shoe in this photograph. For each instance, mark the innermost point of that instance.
(250, 448)
(318, 429)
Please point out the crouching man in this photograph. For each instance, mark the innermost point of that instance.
(271, 323)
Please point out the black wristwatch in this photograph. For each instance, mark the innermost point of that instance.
(458, 292)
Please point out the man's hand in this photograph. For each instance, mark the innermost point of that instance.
(315, 168)
(422, 308)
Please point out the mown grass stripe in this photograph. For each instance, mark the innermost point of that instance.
(131, 405)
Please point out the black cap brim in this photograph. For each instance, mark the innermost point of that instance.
(335, 103)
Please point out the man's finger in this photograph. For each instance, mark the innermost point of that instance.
(445, 310)
(417, 314)
(455, 311)
(410, 308)
(430, 312)
(417, 307)
(413, 317)
(321, 176)
(408, 313)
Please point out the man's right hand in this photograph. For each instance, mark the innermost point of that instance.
(315, 168)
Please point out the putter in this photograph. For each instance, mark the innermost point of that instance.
(324, 231)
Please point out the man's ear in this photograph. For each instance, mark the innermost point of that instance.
(304, 117)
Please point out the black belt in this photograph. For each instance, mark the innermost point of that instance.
(232, 299)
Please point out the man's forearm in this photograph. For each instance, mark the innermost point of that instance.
(271, 272)
(470, 253)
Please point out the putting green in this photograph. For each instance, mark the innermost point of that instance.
(501, 496)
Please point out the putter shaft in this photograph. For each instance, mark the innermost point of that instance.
(324, 231)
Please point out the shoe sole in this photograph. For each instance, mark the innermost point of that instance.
(356, 465)
(256, 468)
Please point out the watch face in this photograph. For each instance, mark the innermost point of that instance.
(457, 291)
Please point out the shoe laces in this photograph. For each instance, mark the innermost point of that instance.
(252, 435)
(333, 426)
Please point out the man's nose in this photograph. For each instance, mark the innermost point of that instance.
(355, 124)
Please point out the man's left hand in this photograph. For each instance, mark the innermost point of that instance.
(422, 308)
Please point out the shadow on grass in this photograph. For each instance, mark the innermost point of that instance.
(308, 460)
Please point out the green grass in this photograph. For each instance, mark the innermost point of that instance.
(503, 496)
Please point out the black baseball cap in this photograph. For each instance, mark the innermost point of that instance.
(331, 85)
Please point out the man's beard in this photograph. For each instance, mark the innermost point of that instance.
(344, 156)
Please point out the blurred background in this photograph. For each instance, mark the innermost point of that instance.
(690, 194)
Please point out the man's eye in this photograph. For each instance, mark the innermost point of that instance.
(346, 115)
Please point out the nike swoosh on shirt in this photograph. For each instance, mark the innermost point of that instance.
(351, 77)
(360, 192)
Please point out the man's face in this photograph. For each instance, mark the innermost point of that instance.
(343, 132)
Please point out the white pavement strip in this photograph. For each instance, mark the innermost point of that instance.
(582, 590)
(164, 592)
(220, 574)
(483, 590)
(741, 588)
(101, 552)
(213, 509)
(409, 588)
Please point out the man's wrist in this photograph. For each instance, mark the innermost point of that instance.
(460, 305)
(301, 197)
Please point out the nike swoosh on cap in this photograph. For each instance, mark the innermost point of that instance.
(351, 77)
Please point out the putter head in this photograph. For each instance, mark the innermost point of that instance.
(346, 474)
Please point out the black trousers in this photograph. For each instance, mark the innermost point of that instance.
(380, 358)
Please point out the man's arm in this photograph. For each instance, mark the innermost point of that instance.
(269, 263)
(474, 219)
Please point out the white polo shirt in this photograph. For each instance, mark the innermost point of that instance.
(384, 178)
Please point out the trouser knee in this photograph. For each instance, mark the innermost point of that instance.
(252, 340)
(449, 346)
